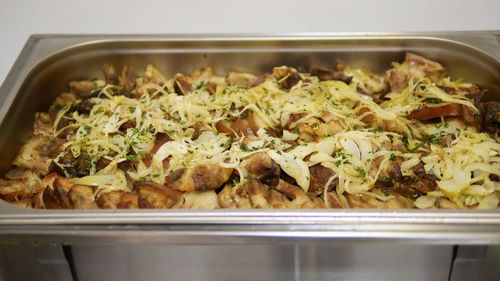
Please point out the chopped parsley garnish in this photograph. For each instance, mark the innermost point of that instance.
(360, 171)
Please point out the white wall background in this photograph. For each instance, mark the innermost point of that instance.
(20, 18)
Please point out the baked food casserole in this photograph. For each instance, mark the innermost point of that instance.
(323, 138)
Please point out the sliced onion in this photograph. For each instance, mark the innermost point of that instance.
(425, 202)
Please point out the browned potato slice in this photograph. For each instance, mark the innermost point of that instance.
(397, 201)
(34, 154)
(118, 200)
(225, 198)
(261, 166)
(277, 200)
(334, 200)
(360, 201)
(319, 178)
(152, 195)
(202, 177)
(82, 197)
(259, 195)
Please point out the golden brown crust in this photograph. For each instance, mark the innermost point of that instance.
(156, 196)
(202, 177)
(82, 197)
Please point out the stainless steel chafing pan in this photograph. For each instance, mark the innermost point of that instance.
(47, 62)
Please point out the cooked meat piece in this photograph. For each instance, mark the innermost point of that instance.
(76, 167)
(417, 184)
(394, 170)
(127, 125)
(43, 124)
(51, 200)
(292, 119)
(128, 201)
(64, 128)
(287, 76)
(424, 185)
(20, 183)
(127, 79)
(82, 197)
(414, 66)
(397, 201)
(181, 85)
(299, 199)
(420, 172)
(224, 126)
(470, 116)
(374, 98)
(61, 100)
(325, 74)
(204, 73)
(199, 200)
(314, 203)
(370, 120)
(241, 127)
(277, 200)
(260, 79)
(245, 80)
(211, 88)
(110, 74)
(11, 189)
(263, 168)
(118, 200)
(490, 116)
(426, 113)
(55, 195)
(360, 201)
(198, 129)
(291, 191)
(414, 186)
(474, 92)
(421, 67)
(34, 154)
(333, 200)
(313, 129)
(397, 80)
(319, 178)
(225, 198)
(247, 124)
(330, 128)
(161, 139)
(152, 75)
(109, 200)
(35, 201)
(83, 107)
(202, 177)
(152, 195)
(83, 89)
(259, 195)
(241, 197)
(254, 121)
(384, 182)
(83, 163)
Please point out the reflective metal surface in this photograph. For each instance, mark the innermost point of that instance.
(47, 62)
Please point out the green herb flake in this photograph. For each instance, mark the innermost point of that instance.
(360, 171)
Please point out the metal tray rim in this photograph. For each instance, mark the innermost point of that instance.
(32, 55)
